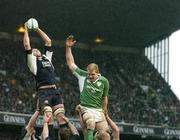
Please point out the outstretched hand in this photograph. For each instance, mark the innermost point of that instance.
(70, 41)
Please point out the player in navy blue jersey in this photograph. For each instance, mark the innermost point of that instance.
(40, 65)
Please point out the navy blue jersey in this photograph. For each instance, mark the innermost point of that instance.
(45, 72)
(42, 67)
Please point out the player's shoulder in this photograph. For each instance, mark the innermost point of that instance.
(103, 78)
(80, 71)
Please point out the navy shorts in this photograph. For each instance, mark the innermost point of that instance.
(49, 97)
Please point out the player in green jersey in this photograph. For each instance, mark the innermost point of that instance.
(94, 90)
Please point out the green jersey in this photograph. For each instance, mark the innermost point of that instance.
(91, 93)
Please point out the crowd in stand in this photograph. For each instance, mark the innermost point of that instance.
(138, 93)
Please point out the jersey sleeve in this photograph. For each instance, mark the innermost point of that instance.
(106, 87)
(31, 62)
(79, 72)
(48, 52)
(81, 75)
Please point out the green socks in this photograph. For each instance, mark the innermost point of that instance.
(89, 134)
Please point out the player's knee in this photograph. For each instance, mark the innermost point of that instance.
(89, 121)
(102, 135)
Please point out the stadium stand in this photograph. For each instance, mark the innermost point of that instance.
(138, 94)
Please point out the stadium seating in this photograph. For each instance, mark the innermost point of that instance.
(138, 93)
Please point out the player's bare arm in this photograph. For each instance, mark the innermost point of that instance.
(26, 40)
(104, 104)
(69, 56)
(73, 129)
(114, 127)
(45, 37)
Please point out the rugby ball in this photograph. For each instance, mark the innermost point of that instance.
(32, 24)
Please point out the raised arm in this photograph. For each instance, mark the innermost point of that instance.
(26, 40)
(114, 127)
(69, 56)
(45, 37)
(32, 120)
(71, 126)
(45, 131)
(105, 96)
(104, 104)
(48, 45)
(31, 59)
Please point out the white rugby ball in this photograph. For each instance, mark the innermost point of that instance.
(32, 24)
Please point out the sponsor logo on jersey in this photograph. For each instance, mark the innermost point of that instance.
(46, 64)
(99, 84)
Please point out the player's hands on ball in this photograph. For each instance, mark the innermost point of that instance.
(70, 41)
(31, 24)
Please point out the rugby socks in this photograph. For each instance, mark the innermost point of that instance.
(89, 134)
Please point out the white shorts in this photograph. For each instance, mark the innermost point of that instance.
(97, 114)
